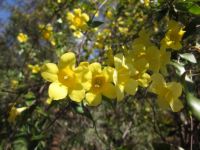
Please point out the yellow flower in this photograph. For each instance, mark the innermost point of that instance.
(14, 112)
(22, 38)
(34, 68)
(122, 77)
(143, 41)
(141, 66)
(67, 79)
(77, 19)
(168, 93)
(47, 33)
(101, 84)
(123, 29)
(14, 83)
(109, 14)
(173, 36)
(145, 52)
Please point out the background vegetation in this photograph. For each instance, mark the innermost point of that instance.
(135, 123)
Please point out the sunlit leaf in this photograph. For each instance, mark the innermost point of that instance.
(180, 69)
(195, 9)
(189, 57)
(194, 104)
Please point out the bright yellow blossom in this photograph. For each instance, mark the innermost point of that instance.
(101, 84)
(77, 19)
(109, 14)
(22, 38)
(34, 68)
(168, 93)
(47, 33)
(67, 79)
(122, 77)
(173, 36)
(14, 112)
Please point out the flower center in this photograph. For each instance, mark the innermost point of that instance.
(67, 77)
(98, 81)
(78, 21)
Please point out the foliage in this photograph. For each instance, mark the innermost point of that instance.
(127, 75)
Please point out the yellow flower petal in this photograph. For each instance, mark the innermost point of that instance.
(131, 87)
(77, 94)
(176, 105)
(108, 73)
(70, 16)
(95, 67)
(118, 60)
(49, 72)
(84, 74)
(158, 81)
(67, 60)
(77, 11)
(85, 17)
(57, 91)
(162, 102)
(120, 92)
(109, 91)
(93, 99)
(175, 88)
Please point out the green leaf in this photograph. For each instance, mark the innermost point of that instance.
(180, 69)
(95, 24)
(20, 144)
(195, 9)
(37, 137)
(188, 6)
(188, 78)
(189, 57)
(194, 104)
(82, 110)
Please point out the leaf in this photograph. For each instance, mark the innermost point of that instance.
(194, 104)
(180, 69)
(188, 6)
(82, 110)
(20, 144)
(189, 57)
(195, 9)
(188, 78)
(37, 137)
(95, 24)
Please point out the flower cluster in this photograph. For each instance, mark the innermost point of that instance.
(78, 21)
(138, 67)
(47, 33)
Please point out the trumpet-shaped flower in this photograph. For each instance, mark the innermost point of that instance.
(173, 36)
(14, 112)
(22, 38)
(168, 93)
(101, 84)
(77, 19)
(67, 79)
(122, 77)
(145, 50)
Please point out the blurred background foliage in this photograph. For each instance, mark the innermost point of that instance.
(135, 123)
